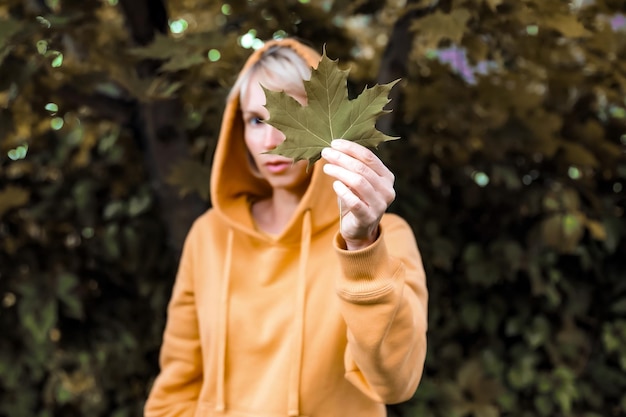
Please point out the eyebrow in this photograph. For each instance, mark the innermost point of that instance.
(251, 113)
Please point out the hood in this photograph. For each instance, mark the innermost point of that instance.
(233, 185)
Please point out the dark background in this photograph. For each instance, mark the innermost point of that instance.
(510, 168)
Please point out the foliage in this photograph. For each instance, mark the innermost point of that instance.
(516, 191)
(327, 115)
(511, 170)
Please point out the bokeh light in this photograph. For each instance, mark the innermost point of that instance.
(18, 153)
(249, 40)
(480, 178)
(56, 123)
(574, 173)
(280, 34)
(178, 26)
(52, 108)
(214, 55)
(42, 47)
(57, 61)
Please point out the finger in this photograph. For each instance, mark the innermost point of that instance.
(383, 184)
(350, 163)
(363, 154)
(377, 194)
(350, 202)
(358, 176)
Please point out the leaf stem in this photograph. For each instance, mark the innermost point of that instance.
(340, 214)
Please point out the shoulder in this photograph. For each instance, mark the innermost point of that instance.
(202, 234)
(204, 224)
(397, 229)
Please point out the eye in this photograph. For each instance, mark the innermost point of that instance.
(255, 121)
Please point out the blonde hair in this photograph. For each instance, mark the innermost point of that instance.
(280, 68)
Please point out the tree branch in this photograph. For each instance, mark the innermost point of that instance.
(117, 110)
(158, 127)
(394, 63)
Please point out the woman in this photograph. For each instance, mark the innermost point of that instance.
(280, 309)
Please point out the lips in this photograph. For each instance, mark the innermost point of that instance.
(276, 167)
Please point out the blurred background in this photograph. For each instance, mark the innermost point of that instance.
(510, 168)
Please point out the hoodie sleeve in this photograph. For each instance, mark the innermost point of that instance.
(383, 299)
(177, 387)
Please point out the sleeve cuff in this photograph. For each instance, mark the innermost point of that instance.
(367, 273)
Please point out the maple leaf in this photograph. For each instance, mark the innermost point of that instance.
(328, 115)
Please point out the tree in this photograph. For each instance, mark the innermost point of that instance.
(511, 169)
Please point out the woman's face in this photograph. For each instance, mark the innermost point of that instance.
(260, 137)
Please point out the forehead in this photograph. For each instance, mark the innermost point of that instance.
(253, 97)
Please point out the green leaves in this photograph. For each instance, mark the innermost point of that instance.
(8, 28)
(12, 197)
(328, 115)
(190, 177)
(179, 54)
(438, 26)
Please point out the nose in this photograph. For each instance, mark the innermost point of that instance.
(273, 137)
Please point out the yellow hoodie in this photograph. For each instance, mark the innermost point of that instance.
(293, 324)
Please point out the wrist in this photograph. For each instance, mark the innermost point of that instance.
(358, 244)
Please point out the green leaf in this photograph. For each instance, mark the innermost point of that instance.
(471, 315)
(12, 197)
(439, 26)
(38, 319)
(181, 63)
(63, 396)
(576, 154)
(484, 273)
(507, 401)
(596, 229)
(567, 24)
(113, 209)
(178, 54)
(563, 231)
(470, 374)
(328, 115)
(139, 204)
(4, 52)
(8, 28)
(614, 230)
(493, 4)
(486, 410)
(472, 253)
(162, 47)
(544, 405)
(523, 373)
(190, 176)
(66, 285)
(538, 333)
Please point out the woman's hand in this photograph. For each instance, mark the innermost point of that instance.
(364, 187)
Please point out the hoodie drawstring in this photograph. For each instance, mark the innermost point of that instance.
(220, 403)
(293, 390)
